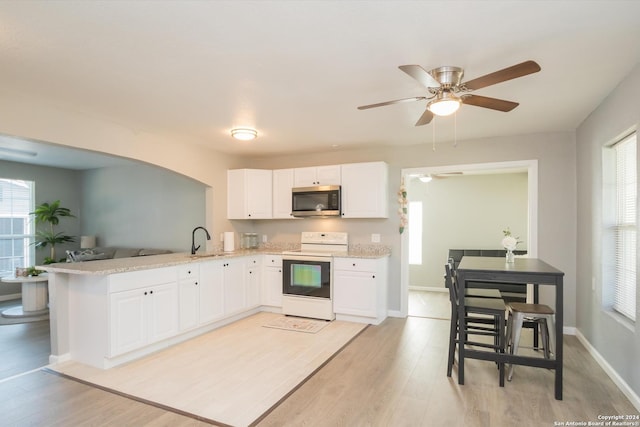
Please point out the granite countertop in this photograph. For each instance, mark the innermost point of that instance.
(123, 265)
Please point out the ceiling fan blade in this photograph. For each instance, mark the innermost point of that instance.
(421, 75)
(515, 71)
(397, 101)
(493, 103)
(425, 118)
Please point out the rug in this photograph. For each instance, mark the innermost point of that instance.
(233, 375)
(297, 324)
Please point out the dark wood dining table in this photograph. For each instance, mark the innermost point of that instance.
(523, 271)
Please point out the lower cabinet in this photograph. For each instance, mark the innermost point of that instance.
(200, 294)
(360, 288)
(142, 316)
(272, 281)
(253, 266)
(235, 295)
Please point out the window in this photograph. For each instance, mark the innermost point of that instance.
(415, 233)
(16, 228)
(622, 217)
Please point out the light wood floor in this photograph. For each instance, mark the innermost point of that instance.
(434, 305)
(24, 346)
(393, 374)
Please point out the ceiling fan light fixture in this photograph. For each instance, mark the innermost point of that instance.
(244, 134)
(445, 104)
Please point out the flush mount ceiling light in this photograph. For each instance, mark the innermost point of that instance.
(425, 178)
(445, 104)
(244, 134)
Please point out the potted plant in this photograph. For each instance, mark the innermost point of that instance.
(50, 213)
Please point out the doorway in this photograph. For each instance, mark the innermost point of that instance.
(527, 167)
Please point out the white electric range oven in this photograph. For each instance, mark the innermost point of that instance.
(307, 275)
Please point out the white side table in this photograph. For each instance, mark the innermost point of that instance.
(34, 296)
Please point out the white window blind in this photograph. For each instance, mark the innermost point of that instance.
(626, 185)
(16, 226)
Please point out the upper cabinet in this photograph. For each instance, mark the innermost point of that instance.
(319, 175)
(365, 192)
(282, 184)
(249, 193)
(266, 194)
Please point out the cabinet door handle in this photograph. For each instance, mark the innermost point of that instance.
(354, 264)
(150, 292)
(196, 283)
(145, 292)
(374, 276)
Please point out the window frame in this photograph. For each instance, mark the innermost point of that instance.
(620, 228)
(28, 235)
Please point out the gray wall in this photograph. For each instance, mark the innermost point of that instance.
(555, 153)
(619, 344)
(50, 184)
(142, 206)
(466, 212)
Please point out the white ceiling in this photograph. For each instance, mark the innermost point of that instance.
(297, 70)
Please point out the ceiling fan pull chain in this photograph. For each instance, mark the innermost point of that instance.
(433, 135)
(455, 130)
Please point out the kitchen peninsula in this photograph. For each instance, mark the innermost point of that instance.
(108, 312)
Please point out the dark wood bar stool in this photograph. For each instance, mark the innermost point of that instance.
(483, 317)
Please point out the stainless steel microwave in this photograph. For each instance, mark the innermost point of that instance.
(320, 201)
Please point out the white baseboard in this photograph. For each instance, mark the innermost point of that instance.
(428, 288)
(9, 297)
(617, 379)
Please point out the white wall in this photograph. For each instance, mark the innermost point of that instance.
(466, 212)
(618, 344)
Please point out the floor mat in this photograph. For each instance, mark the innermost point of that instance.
(298, 324)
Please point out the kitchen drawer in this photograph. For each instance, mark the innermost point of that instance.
(356, 264)
(188, 271)
(273, 260)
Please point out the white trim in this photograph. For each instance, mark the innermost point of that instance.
(428, 288)
(10, 297)
(532, 233)
(608, 369)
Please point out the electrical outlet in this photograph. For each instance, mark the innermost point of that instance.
(375, 238)
(264, 238)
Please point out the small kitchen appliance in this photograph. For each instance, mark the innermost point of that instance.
(307, 275)
(319, 201)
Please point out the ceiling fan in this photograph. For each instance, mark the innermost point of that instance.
(447, 90)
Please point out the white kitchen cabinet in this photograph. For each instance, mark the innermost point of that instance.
(235, 295)
(142, 316)
(317, 175)
(282, 185)
(360, 289)
(211, 289)
(188, 296)
(249, 194)
(200, 294)
(272, 281)
(365, 190)
(253, 267)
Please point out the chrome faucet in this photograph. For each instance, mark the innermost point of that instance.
(193, 241)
